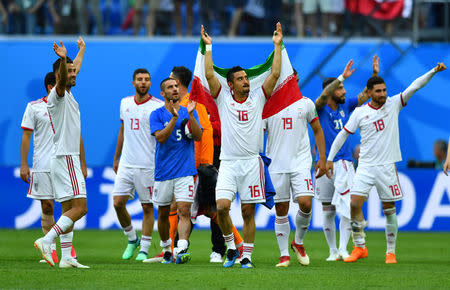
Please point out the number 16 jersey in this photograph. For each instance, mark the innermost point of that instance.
(380, 142)
(138, 149)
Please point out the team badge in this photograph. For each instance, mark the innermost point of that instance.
(342, 113)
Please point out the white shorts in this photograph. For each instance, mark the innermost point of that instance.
(383, 177)
(340, 182)
(326, 6)
(245, 176)
(68, 180)
(293, 184)
(182, 188)
(129, 179)
(41, 186)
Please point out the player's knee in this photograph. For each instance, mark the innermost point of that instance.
(248, 212)
(119, 203)
(282, 208)
(147, 208)
(222, 208)
(305, 205)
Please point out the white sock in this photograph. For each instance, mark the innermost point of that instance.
(53, 246)
(391, 229)
(329, 225)
(345, 231)
(229, 240)
(282, 230)
(64, 223)
(248, 249)
(66, 245)
(130, 233)
(359, 239)
(146, 241)
(182, 245)
(166, 245)
(302, 221)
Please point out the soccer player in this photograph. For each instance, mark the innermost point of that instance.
(380, 150)
(67, 165)
(447, 160)
(136, 168)
(334, 110)
(241, 168)
(175, 128)
(290, 171)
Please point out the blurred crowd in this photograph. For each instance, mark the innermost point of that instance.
(183, 17)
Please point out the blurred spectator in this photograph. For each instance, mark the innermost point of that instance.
(214, 11)
(292, 14)
(440, 151)
(189, 17)
(27, 16)
(331, 16)
(83, 15)
(253, 18)
(64, 15)
(150, 19)
(3, 17)
(164, 17)
(236, 17)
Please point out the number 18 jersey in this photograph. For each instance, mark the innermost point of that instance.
(380, 142)
(138, 149)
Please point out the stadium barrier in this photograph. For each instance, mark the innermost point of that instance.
(426, 206)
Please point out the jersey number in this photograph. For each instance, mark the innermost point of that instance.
(191, 191)
(178, 132)
(309, 184)
(338, 124)
(395, 190)
(287, 123)
(254, 191)
(379, 125)
(134, 124)
(243, 115)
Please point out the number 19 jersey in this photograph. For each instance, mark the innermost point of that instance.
(241, 124)
(138, 145)
(380, 142)
(287, 137)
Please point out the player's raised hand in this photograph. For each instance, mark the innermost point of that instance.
(80, 43)
(440, 67)
(60, 51)
(329, 169)
(277, 34)
(172, 108)
(375, 65)
(348, 71)
(205, 36)
(25, 173)
(191, 106)
(320, 168)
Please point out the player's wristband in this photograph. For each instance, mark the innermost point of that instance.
(341, 78)
(208, 47)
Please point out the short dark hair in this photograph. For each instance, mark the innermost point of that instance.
(327, 81)
(441, 144)
(162, 85)
(58, 62)
(375, 80)
(141, 71)
(50, 79)
(183, 74)
(230, 73)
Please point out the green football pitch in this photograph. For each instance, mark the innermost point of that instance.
(423, 262)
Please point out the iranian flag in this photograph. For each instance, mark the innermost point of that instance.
(285, 93)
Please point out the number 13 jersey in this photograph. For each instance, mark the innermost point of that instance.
(380, 142)
(138, 149)
(287, 137)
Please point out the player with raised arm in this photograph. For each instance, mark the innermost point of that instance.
(380, 150)
(67, 165)
(135, 171)
(175, 128)
(241, 168)
(334, 109)
(290, 170)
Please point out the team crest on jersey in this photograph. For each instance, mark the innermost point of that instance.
(232, 104)
(127, 110)
(342, 113)
(45, 114)
(366, 117)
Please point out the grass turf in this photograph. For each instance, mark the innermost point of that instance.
(423, 262)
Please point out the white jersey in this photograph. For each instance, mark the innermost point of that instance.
(380, 142)
(65, 122)
(36, 119)
(139, 145)
(287, 137)
(241, 124)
